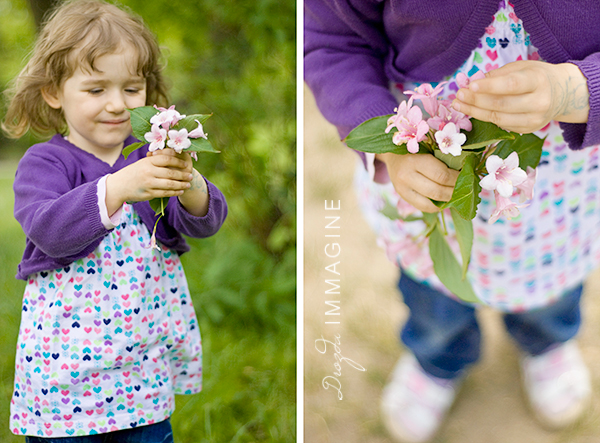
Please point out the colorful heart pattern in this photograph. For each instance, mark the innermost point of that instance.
(103, 344)
(529, 261)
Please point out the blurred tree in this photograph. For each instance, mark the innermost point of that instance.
(39, 8)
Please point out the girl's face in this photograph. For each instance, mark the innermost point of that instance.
(94, 103)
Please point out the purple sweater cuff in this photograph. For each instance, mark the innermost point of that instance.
(582, 135)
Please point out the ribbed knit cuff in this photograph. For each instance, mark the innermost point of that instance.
(583, 135)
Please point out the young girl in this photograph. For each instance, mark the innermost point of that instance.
(359, 57)
(108, 333)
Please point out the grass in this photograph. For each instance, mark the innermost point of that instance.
(249, 354)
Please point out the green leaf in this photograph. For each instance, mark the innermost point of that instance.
(484, 134)
(528, 146)
(189, 121)
(201, 145)
(464, 235)
(447, 268)
(140, 120)
(450, 160)
(465, 197)
(370, 136)
(132, 147)
(159, 205)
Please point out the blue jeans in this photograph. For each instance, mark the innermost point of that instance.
(155, 433)
(445, 338)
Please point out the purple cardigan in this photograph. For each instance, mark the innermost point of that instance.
(57, 206)
(354, 48)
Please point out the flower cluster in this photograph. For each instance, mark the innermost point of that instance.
(160, 134)
(442, 130)
(162, 127)
(443, 125)
(486, 156)
(506, 179)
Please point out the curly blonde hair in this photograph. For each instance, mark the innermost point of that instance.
(74, 36)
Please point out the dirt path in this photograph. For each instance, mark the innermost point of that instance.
(490, 407)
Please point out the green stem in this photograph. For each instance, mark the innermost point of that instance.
(444, 222)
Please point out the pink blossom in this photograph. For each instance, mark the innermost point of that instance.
(504, 206)
(447, 114)
(503, 175)
(166, 117)
(401, 111)
(412, 129)
(178, 140)
(526, 188)
(198, 132)
(428, 96)
(463, 81)
(153, 244)
(450, 140)
(156, 137)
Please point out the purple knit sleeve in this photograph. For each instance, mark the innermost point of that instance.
(582, 135)
(344, 51)
(59, 218)
(198, 227)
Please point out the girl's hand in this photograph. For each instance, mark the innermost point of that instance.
(151, 177)
(195, 198)
(417, 178)
(525, 96)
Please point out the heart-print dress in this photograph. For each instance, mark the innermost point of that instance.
(106, 342)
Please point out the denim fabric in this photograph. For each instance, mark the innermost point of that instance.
(155, 433)
(444, 336)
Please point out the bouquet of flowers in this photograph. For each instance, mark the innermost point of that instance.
(487, 157)
(162, 128)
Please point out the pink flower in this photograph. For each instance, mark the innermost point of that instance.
(166, 117)
(463, 81)
(401, 111)
(178, 140)
(412, 129)
(450, 140)
(153, 244)
(446, 114)
(428, 96)
(526, 188)
(198, 132)
(504, 206)
(503, 175)
(156, 137)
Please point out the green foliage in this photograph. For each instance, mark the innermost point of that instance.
(528, 146)
(236, 62)
(447, 268)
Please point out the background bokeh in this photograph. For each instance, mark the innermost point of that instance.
(237, 61)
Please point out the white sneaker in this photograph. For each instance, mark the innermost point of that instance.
(414, 403)
(557, 384)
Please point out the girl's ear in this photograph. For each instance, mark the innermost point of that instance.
(50, 96)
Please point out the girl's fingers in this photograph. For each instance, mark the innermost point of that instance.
(419, 202)
(168, 161)
(466, 100)
(517, 122)
(512, 79)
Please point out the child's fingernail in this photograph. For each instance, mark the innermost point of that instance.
(474, 87)
(460, 95)
(455, 105)
(190, 177)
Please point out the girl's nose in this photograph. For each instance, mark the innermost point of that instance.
(116, 103)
